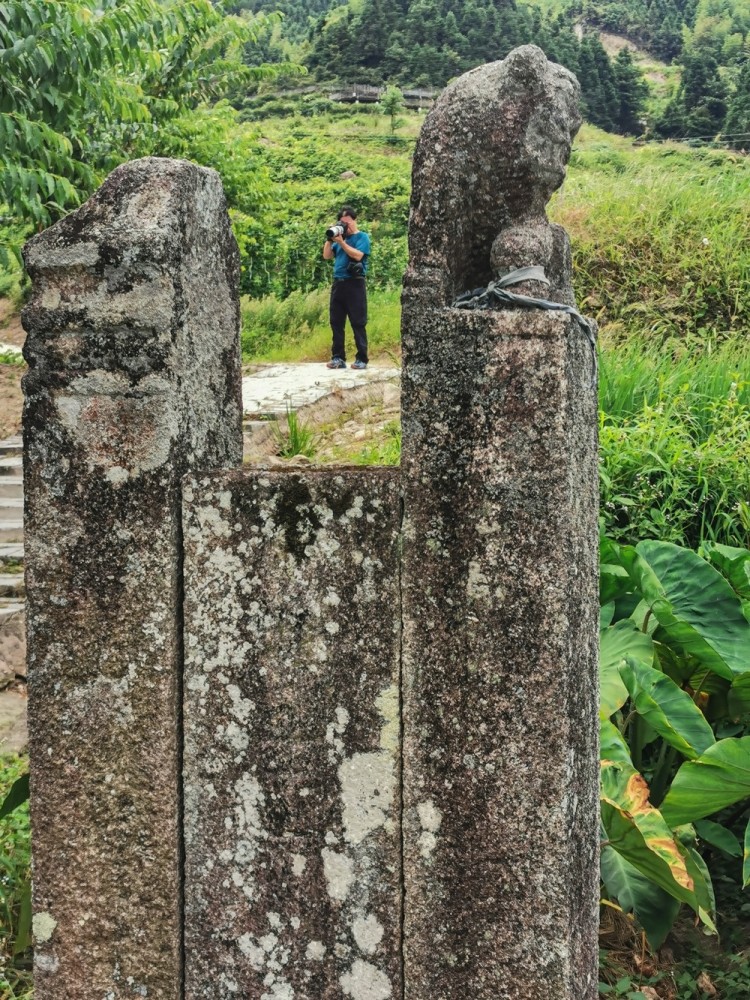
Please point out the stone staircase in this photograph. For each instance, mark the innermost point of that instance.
(11, 527)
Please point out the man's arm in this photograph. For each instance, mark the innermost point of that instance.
(327, 250)
(349, 251)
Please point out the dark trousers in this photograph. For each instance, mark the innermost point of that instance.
(349, 299)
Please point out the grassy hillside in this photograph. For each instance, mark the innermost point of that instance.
(659, 231)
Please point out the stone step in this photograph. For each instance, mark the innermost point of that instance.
(11, 487)
(11, 466)
(10, 607)
(11, 552)
(12, 585)
(11, 531)
(11, 503)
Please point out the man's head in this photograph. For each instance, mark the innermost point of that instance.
(347, 214)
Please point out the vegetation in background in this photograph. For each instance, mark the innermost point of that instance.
(297, 328)
(15, 880)
(88, 84)
(674, 441)
(660, 239)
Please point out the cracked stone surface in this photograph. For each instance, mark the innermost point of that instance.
(292, 800)
(134, 377)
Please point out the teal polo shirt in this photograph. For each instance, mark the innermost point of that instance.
(360, 241)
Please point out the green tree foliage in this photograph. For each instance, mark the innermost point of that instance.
(656, 25)
(299, 15)
(392, 103)
(87, 83)
(632, 92)
(699, 107)
(737, 122)
(428, 42)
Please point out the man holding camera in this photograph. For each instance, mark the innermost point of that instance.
(349, 248)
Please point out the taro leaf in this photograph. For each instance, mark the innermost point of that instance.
(612, 745)
(18, 794)
(746, 859)
(606, 614)
(733, 564)
(704, 890)
(609, 552)
(694, 605)
(637, 832)
(738, 698)
(718, 836)
(667, 709)
(616, 643)
(716, 779)
(654, 908)
(614, 582)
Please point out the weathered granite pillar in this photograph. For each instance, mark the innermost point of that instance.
(499, 566)
(134, 379)
(292, 797)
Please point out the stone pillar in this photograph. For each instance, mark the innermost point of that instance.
(292, 778)
(499, 572)
(134, 378)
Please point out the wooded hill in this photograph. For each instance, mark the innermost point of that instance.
(425, 43)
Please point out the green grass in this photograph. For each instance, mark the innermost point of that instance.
(660, 238)
(298, 439)
(674, 443)
(15, 880)
(297, 329)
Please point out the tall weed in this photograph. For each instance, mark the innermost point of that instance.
(660, 238)
(675, 445)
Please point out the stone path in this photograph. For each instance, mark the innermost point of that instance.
(272, 389)
(13, 734)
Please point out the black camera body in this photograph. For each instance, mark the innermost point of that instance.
(340, 229)
(355, 268)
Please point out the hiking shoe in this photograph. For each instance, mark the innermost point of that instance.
(359, 364)
(336, 363)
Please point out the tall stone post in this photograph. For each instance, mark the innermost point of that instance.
(134, 379)
(499, 562)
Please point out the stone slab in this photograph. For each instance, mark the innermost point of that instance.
(291, 774)
(134, 378)
(499, 657)
(273, 389)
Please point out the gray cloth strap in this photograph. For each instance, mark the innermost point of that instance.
(495, 296)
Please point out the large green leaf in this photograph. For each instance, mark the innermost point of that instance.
(614, 582)
(618, 642)
(667, 709)
(638, 833)
(704, 890)
(716, 779)
(654, 908)
(738, 697)
(718, 836)
(694, 605)
(18, 794)
(612, 745)
(733, 564)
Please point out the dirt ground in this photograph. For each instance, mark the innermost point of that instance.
(11, 399)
